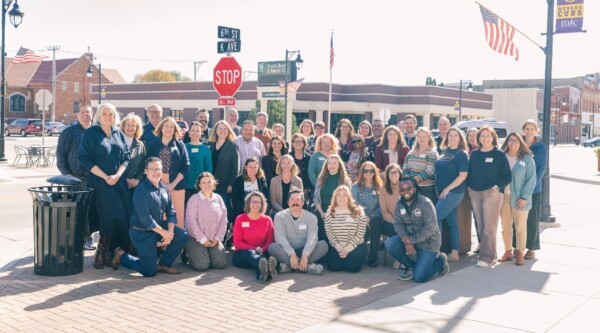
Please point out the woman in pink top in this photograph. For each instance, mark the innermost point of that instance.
(252, 235)
(206, 222)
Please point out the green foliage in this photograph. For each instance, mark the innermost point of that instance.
(276, 111)
(158, 75)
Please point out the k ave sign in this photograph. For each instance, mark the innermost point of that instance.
(227, 77)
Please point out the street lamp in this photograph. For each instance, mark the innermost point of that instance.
(298, 62)
(469, 88)
(16, 17)
(89, 73)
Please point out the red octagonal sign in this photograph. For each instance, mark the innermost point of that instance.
(227, 76)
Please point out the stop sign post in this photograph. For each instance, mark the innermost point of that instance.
(227, 77)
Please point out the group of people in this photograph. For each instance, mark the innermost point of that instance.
(295, 205)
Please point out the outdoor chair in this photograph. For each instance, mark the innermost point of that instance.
(35, 155)
(50, 155)
(21, 152)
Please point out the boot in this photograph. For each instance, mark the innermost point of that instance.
(520, 258)
(100, 255)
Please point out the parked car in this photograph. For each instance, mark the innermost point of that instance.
(184, 127)
(23, 127)
(593, 142)
(54, 127)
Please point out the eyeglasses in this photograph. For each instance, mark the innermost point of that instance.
(368, 170)
(346, 126)
(154, 169)
(297, 141)
(254, 202)
(513, 141)
(394, 172)
(356, 141)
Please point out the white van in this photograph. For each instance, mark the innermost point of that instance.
(501, 127)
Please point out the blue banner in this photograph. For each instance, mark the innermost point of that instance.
(569, 16)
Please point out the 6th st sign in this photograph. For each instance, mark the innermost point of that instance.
(227, 77)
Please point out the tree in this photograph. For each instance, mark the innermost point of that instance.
(158, 75)
(275, 110)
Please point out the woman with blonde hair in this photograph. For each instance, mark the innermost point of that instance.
(420, 163)
(326, 146)
(345, 225)
(366, 194)
(225, 162)
(175, 160)
(104, 154)
(364, 129)
(132, 127)
(333, 174)
(286, 180)
(307, 128)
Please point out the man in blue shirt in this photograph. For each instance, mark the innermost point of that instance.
(152, 201)
(67, 161)
(154, 114)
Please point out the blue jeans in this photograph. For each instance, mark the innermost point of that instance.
(352, 263)
(447, 208)
(145, 243)
(248, 259)
(428, 263)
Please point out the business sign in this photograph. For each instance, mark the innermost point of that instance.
(271, 72)
(569, 16)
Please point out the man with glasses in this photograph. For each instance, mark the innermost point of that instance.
(154, 114)
(417, 236)
(373, 141)
(67, 161)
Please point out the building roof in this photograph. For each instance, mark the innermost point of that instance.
(44, 71)
(113, 76)
(19, 75)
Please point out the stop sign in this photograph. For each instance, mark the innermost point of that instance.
(227, 78)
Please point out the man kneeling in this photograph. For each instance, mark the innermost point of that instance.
(418, 235)
(296, 244)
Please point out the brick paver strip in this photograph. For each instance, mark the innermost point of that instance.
(228, 300)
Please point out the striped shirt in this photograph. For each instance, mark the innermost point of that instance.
(421, 166)
(344, 231)
(247, 149)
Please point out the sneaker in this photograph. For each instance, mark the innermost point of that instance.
(482, 263)
(272, 267)
(445, 267)
(89, 244)
(283, 268)
(396, 264)
(263, 268)
(406, 275)
(315, 269)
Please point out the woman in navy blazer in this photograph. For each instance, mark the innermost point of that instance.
(176, 163)
(393, 141)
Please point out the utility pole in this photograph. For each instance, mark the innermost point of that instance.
(197, 65)
(53, 48)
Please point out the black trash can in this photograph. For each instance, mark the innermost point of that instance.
(577, 140)
(59, 219)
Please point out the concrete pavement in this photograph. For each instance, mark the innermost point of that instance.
(555, 292)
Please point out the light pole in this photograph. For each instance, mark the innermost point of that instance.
(16, 17)
(469, 88)
(298, 62)
(89, 74)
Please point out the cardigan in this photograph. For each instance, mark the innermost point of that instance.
(180, 162)
(238, 195)
(382, 159)
(136, 166)
(276, 191)
(227, 165)
(540, 157)
(522, 184)
(387, 202)
(206, 219)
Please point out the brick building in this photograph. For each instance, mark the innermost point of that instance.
(72, 87)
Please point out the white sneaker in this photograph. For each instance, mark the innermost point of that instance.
(396, 264)
(482, 263)
(315, 269)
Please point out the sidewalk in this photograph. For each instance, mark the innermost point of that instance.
(556, 292)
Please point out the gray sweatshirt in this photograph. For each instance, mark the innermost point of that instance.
(419, 222)
(296, 234)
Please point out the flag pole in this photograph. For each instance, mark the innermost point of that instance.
(517, 30)
(330, 83)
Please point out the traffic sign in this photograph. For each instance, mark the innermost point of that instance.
(229, 46)
(43, 99)
(227, 77)
(226, 101)
(228, 33)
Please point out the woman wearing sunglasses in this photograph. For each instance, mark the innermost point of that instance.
(356, 157)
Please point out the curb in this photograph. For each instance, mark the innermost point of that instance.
(577, 180)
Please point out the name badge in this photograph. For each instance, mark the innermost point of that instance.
(322, 158)
(422, 156)
(522, 163)
(302, 227)
(349, 219)
(402, 211)
(489, 160)
(194, 150)
(245, 224)
(374, 192)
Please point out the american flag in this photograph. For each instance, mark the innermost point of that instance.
(293, 86)
(331, 52)
(499, 34)
(26, 56)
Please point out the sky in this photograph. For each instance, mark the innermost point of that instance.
(389, 42)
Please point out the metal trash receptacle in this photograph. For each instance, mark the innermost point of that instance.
(59, 217)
